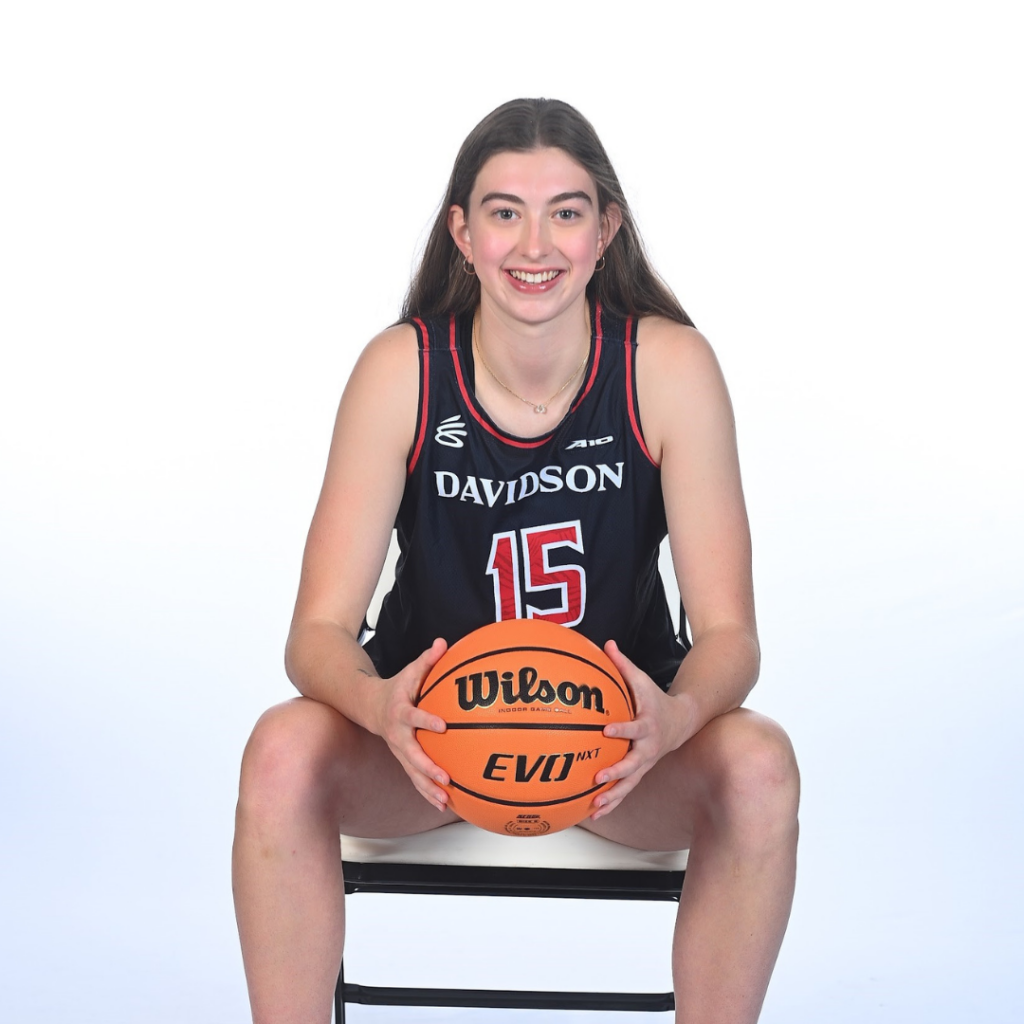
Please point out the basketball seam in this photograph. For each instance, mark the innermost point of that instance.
(525, 803)
(535, 726)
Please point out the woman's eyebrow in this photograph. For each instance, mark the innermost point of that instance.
(562, 197)
(505, 197)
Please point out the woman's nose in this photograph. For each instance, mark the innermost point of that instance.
(536, 240)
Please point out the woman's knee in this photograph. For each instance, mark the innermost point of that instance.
(289, 761)
(756, 787)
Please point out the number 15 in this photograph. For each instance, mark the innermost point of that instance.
(537, 542)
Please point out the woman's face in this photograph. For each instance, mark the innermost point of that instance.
(533, 232)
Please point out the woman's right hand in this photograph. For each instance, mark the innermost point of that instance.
(397, 718)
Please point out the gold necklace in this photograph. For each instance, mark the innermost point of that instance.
(538, 407)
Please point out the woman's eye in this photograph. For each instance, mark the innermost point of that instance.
(504, 214)
(567, 214)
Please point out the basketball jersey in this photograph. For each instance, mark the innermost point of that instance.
(565, 527)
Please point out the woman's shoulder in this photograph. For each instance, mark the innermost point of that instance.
(670, 339)
(679, 380)
(390, 356)
(384, 383)
(395, 343)
(667, 350)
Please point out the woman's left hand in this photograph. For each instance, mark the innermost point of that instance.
(662, 723)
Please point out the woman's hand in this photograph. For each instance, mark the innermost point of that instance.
(397, 718)
(662, 723)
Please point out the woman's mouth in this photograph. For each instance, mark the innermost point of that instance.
(538, 277)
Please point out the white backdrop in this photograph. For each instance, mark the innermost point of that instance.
(207, 208)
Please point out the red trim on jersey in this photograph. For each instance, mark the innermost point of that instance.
(535, 443)
(424, 393)
(634, 419)
(597, 357)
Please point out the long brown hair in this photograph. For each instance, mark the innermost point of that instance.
(628, 285)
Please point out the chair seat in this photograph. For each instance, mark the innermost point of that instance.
(462, 844)
(461, 859)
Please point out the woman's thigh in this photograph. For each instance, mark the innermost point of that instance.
(738, 772)
(305, 759)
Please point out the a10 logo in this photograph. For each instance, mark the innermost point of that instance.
(537, 543)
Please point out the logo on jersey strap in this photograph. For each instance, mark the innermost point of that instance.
(590, 442)
(450, 432)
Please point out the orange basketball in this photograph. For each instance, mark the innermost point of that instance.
(526, 702)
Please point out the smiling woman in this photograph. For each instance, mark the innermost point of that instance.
(540, 487)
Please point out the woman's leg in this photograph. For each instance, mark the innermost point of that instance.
(308, 774)
(730, 794)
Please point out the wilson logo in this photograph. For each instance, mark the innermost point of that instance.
(450, 432)
(481, 690)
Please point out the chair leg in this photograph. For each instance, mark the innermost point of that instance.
(339, 996)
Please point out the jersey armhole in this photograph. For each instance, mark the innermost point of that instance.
(632, 401)
(423, 409)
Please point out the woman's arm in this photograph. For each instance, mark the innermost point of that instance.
(689, 424)
(690, 432)
(345, 550)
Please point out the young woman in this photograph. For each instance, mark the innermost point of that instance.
(542, 415)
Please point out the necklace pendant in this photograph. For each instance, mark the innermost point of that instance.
(540, 408)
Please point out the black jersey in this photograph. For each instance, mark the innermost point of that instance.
(565, 526)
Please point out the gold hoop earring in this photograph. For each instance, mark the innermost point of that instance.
(468, 268)
(600, 265)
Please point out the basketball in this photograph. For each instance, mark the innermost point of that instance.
(526, 702)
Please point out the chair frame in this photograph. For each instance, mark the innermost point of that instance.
(472, 880)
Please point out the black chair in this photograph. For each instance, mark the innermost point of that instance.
(461, 859)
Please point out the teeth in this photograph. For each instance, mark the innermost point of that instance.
(521, 275)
